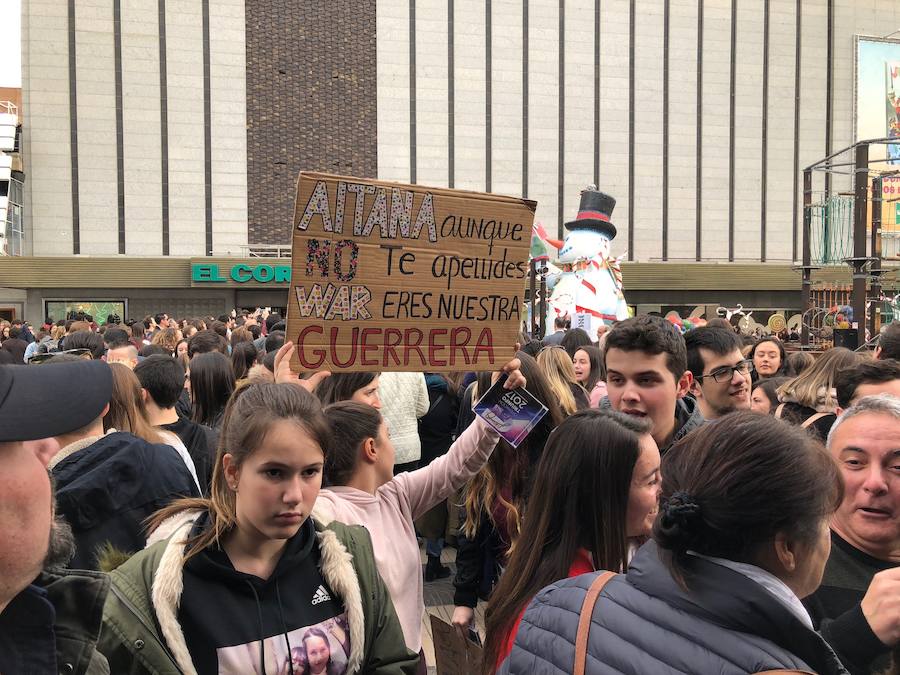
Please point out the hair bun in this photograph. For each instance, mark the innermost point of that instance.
(678, 523)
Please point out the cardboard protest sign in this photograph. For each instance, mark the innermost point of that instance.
(393, 277)
(453, 654)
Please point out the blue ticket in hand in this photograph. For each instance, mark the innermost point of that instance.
(513, 413)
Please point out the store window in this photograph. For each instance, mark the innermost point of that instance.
(99, 310)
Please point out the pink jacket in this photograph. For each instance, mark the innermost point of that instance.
(597, 393)
(389, 515)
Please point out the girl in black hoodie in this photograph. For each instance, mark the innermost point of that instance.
(236, 583)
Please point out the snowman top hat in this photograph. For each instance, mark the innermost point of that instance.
(594, 213)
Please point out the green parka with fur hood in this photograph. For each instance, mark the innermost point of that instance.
(141, 634)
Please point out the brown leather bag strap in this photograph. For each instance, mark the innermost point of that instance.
(812, 419)
(778, 411)
(584, 621)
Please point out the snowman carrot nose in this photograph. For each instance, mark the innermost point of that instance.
(555, 243)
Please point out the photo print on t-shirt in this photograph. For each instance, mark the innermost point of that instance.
(321, 649)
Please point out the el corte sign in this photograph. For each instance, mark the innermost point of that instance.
(242, 273)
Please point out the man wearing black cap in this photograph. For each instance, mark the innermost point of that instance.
(49, 623)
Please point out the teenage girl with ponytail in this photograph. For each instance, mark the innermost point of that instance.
(363, 490)
(243, 581)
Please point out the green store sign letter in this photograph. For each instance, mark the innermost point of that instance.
(205, 273)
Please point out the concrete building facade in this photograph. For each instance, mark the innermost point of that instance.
(178, 127)
(697, 115)
(135, 127)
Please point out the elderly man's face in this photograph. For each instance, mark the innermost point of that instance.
(25, 513)
(867, 449)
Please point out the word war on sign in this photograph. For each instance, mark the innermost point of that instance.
(387, 276)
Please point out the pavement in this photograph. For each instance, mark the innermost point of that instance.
(439, 601)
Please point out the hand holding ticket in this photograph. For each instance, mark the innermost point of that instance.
(512, 412)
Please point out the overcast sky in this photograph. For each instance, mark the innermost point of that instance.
(10, 43)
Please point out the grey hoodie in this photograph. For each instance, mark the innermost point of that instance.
(687, 418)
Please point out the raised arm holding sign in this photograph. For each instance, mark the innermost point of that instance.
(392, 277)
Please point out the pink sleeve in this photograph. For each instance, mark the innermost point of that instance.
(597, 394)
(429, 486)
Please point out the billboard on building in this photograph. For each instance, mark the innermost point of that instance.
(878, 95)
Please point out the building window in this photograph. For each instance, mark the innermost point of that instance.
(99, 310)
(15, 232)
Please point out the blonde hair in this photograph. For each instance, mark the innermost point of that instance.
(484, 489)
(251, 413)
(814, 387)
(126, 406)
(557, 367)
(507, 466)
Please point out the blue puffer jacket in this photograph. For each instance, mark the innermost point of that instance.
(645, 623)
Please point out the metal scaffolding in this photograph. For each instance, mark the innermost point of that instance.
(836, 231)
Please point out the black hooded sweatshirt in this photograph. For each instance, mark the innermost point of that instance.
(238, 623)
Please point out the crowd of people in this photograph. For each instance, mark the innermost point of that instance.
(177, 499)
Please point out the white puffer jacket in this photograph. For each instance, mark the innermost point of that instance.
(404, 399)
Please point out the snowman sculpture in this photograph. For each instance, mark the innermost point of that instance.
(585, 282)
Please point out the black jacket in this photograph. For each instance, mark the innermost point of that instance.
(687, 418)
(797, 414)
(437, 427)
(477, 563)
(644, 622)
(479, 558)
(52, 626)
(200, 442)
(276, 610)
(107, 490)
(836, 608)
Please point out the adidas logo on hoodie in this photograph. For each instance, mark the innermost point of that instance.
(321, 595)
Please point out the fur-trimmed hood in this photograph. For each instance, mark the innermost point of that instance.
(168, 584)
(141, 634)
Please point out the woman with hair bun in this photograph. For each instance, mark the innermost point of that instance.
(741, 537)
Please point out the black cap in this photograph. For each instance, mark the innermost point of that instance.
(594, 213)
(41, 401)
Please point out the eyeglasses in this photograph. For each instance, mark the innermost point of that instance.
(48, 356)
(725, 373)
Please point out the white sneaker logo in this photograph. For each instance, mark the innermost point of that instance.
(321, 595)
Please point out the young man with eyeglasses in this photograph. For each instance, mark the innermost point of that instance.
(721, 373)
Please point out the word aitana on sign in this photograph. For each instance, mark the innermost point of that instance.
(399, 218)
